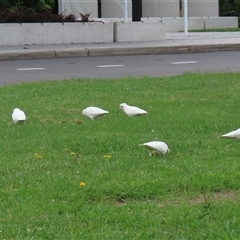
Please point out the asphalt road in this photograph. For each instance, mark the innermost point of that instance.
(117, 66)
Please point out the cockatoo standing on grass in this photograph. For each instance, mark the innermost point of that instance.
(155, 147)
(18, 116)
(132, 111)
(233, 134)
(94, 112)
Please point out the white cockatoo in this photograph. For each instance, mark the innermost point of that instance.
(18, 116)
(155, 147)
(94, 112)
(233, 134)
(132, 111)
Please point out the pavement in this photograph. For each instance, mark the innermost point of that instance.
(174, 43)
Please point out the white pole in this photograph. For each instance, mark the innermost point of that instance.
(125, 10)
(63, 6)
(59, 6)
(186, 17)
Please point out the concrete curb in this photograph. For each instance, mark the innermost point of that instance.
(230, 47)
(116, 51)
(72, 53)
(163, 49)
(33, 54)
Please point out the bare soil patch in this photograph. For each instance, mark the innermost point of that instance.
(216, 196)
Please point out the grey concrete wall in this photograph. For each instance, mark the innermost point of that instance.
(176, 24)
(138, 31)
(221, 22)
(55, 33)
(68, 33)
(195, 23)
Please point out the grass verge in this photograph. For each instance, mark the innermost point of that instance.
(191, 193)
(217, 30)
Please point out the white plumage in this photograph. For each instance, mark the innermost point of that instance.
(18, 115)
(156, 147)
(94, 112)
(132, 111)
(233, 134)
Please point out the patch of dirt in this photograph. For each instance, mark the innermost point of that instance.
(203, 198)
(216, 196)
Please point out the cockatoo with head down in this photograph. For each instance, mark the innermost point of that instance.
(233, 134)
(94, 112)
(132, 111)
(18, 116)
(155, 147)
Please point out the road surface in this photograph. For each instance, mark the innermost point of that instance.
(117, 66)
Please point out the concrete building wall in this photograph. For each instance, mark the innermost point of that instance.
(150, 8)
(160, 8)
(203, 8)
(115, 8)
(79, 6)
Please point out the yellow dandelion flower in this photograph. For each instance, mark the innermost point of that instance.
(107, 156)
(72, 153)
(82, 184)
(38, 156)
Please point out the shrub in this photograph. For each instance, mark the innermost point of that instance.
(29, 15)
(37, 5)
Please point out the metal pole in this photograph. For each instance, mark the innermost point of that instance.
(125, 10)
(59, 7)
(62, 6)
(186, 17)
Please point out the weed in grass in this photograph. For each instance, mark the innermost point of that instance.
(64, 176)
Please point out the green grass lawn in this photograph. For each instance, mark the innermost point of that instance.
(191, 193)
(217, 30)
